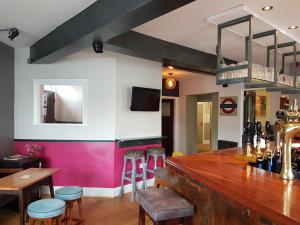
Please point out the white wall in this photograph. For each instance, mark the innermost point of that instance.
(69, 103)
(274, 106)
(110, 78)
(229, 127)
(101, 97)
(142, 73)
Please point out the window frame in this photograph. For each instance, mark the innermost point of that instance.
(37, 100)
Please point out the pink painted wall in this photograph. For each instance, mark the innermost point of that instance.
(87, 164)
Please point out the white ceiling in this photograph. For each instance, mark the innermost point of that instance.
(189, 27)
(36, 18)
(186, 26)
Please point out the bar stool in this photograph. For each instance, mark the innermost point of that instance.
(71, 194)
(162, 205)
(46, 211)
(161, 177)
(155, 153)
(133, 156)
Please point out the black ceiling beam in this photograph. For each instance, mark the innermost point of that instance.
(143, 46)
(102, 20)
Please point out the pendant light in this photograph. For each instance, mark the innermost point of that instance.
(170, 83)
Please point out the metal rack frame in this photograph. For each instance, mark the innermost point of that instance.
(248, 66)
(287, 89)
(266, 83)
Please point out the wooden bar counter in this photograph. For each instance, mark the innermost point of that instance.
(226, 191)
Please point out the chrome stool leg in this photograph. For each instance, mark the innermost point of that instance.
(123, 177)
(164, 159)
(133, 180)
(155, 162)
(144, 185)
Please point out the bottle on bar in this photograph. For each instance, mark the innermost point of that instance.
(259, 155)
(268, 154)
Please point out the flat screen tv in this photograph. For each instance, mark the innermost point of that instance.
(145, 99)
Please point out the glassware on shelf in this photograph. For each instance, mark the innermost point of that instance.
(285, 79)
(259, 72)
(242, 72)
(262, 73)
(223, 74)
(298, 81)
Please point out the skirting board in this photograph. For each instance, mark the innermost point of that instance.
(105, 192)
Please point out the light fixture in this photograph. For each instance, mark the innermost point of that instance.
(171, 67)
(170, 83)
(12, 32)
(267, 8)
(293, 27)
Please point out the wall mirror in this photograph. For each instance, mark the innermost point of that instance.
(60, 102)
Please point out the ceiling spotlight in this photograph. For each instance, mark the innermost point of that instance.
(293, 27)
(267, 8)
(12, 32)
(171, 67)
(98, 46)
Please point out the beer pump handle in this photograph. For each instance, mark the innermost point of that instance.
(258, 130)
(248, 131)
(268, 130)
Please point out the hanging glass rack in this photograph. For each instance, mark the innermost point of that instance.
(281, 79)
(228, 74)
(287, 83)
(254, 75)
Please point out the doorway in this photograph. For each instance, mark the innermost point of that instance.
(204, 118)
(211, 136)
(167, 125)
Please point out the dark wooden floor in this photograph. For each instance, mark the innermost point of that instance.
(106, 211)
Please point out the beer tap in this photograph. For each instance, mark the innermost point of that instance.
(268, 154)
(278, 134)
(248, 139)
(289, 128)
(258, 136)
(276, 167)
(258, 153)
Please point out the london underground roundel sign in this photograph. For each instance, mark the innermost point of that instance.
(228, 106)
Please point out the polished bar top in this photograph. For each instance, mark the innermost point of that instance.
(257, 189)
(25, 178)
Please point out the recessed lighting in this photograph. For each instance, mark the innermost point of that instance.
(171, 67)
(293, 27)
(267, 8)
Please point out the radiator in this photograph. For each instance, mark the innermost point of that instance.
(222, 144)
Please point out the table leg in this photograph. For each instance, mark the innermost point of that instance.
(21, 207)
(51, 187)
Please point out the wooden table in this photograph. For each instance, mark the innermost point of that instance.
(21, 183)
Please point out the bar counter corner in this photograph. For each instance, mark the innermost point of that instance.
(226, 191)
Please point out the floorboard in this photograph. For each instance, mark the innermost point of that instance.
(106, 211)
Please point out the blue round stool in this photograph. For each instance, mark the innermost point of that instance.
(46, 210)
(71, 194)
